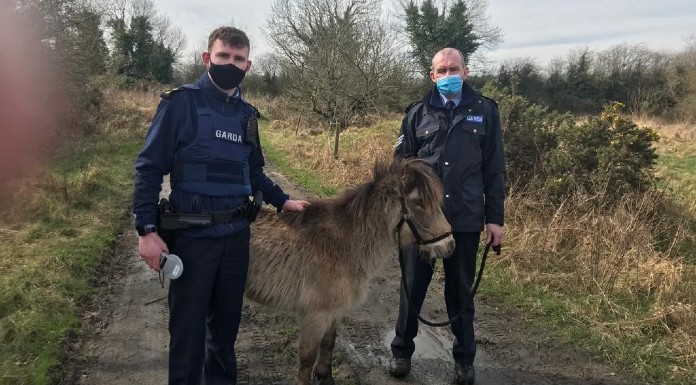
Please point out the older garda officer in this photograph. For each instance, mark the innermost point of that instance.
(456, 131)
(204, 136)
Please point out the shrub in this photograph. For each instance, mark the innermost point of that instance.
(604, 157)
(607, 155)
(530, 134)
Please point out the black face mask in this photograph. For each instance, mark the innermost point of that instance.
(226, 76)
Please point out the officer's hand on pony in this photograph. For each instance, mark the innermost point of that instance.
(294, 205)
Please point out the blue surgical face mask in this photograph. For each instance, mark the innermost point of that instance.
(449, 85)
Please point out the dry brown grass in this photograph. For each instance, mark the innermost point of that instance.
(671, 130)
(620, 259)
(140, 104)
(312, 149)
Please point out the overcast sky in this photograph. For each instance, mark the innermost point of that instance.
(539, 29)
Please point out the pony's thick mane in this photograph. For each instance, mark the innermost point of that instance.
(357, 201)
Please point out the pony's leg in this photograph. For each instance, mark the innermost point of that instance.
(312, 329)
(322, 370)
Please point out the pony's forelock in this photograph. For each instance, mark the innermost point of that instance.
(421, 177)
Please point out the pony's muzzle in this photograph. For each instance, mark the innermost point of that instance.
(440, 249)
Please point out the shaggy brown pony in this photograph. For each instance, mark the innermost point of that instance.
(318, 262)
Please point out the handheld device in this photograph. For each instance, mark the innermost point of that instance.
(171, 265)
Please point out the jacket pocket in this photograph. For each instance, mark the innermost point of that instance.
(474, 138)
(426, 132)
(475, 129)
(426, 136)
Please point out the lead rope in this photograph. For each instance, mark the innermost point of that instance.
(471, 293)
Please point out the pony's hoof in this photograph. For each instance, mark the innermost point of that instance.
(323, 379)
(326, 381)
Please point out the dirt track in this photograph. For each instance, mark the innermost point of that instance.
(125, 341)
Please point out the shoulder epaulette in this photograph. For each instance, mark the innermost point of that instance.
(169, 93)
(411, 106)
(492, 101)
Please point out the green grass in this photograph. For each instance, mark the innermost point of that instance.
(679, 176)
(676, 167)
(51, 248)
(568, 319)
(304, 177)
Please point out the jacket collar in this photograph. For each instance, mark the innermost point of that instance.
(210, 90)
(434, 99)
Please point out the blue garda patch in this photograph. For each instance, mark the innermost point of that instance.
(474, 118)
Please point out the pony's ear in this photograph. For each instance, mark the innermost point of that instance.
(406, 175)
(400, 163)
(391, 174)
(398, 167)
(380, 170)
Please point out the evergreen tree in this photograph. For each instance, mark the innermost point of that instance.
(122, 43)
(430, 30)
(89, 43)
(142, 49)
(137, 54)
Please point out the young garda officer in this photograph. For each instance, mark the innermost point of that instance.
(199, 136)
(457, 132)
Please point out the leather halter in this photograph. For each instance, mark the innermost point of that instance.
(414, 230)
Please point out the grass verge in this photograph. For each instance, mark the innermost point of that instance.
(62, 223)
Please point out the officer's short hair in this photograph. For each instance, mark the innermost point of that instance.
(449, 50)
(229, 35)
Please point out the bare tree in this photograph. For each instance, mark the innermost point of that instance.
(267, 64)
(191, 68)
(168, 35)
(682, 81)
(337, 57)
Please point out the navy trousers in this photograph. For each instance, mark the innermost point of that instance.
(461, 265)
(205, 307)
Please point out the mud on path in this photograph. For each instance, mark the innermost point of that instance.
(125, 339)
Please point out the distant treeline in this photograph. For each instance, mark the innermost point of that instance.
(343, 63)
(646, 82)
(339, 62)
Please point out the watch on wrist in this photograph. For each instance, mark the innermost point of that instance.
(145, 230)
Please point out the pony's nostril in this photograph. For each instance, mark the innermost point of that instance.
(450, 245)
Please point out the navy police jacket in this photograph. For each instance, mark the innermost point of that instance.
(465, 147)
(199, 137)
